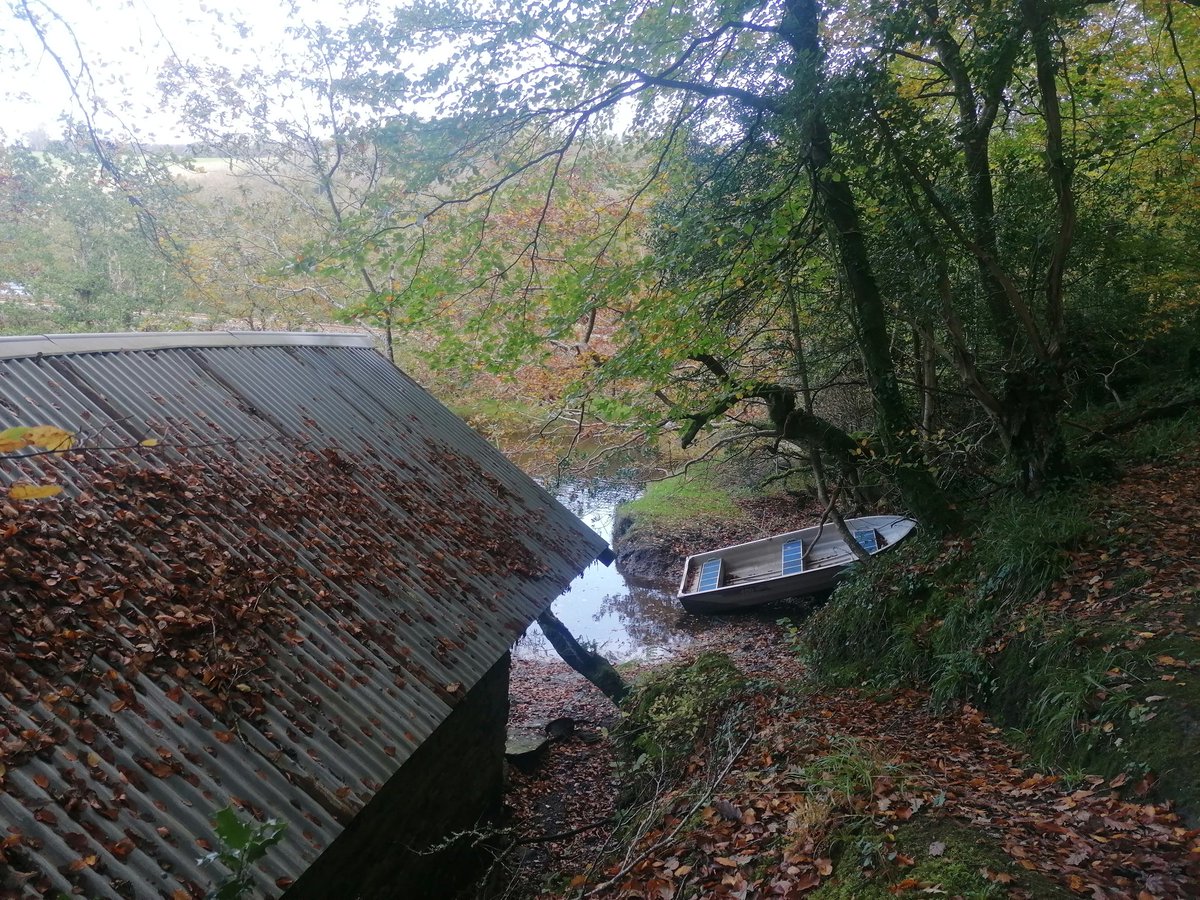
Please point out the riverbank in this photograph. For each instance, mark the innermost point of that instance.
(1013, 714)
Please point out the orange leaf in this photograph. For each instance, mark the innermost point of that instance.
(997, 877)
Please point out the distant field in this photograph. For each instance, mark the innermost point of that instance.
(206, 165)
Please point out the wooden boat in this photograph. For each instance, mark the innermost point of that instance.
(801, 562)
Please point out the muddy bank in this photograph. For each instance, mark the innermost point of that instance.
(645, 556)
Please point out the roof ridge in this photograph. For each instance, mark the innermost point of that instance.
(20, 346)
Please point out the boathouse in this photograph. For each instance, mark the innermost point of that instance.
(266, 572)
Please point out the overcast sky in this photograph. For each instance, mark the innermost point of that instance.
(123, 43)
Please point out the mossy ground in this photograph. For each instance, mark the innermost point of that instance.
(764, 784)
(698, 494)
(1071, 620)
(670, 710)
(930, 854)
(734, 494)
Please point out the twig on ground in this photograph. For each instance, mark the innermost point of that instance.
(683, 820)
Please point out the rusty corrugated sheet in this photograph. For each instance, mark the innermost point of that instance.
(272, 606)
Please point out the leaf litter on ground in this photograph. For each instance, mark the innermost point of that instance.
(764, 831)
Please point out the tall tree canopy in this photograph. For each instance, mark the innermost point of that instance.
(893, 195)
(75, 255)
(895, 236)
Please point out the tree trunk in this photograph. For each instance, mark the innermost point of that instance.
(1035, 395)
(1033, 402)
(591, 665)
(976, 113)
(893, 422)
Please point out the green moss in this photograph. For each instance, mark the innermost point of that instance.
(1169, 744)
(700, 493)
(1105, 709)
(935, 854)
(673, 707)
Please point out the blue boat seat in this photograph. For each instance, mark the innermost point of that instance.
(710, 575)
(868, 540)
(793, 557)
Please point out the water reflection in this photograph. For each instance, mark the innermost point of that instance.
(624, 622)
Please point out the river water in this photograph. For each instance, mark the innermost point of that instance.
(623, 621)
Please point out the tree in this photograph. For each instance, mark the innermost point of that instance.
(77, 249)
(297, 143)
(584, 660)
(692, 76)
(822, 130)
(237, 239)
(808, 204)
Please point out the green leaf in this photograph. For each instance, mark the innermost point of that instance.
(233, 832)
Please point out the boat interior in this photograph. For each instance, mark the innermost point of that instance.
(790, 555)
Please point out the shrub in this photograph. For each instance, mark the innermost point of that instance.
(675, 707)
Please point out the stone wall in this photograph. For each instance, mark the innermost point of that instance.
(451, 783)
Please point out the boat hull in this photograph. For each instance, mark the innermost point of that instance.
(755, 568)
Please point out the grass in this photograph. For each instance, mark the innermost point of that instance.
(932, 613)
(700, 493)
(849, 767)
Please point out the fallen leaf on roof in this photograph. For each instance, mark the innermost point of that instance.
(26, 491)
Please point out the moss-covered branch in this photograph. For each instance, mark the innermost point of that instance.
(789, 419)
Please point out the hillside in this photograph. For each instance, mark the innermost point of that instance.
(1011, 714)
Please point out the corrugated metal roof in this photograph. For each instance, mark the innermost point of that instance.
(273, 606)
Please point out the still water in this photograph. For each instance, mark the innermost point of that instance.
(624, 622)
